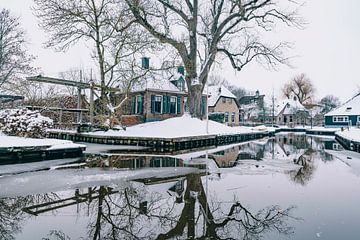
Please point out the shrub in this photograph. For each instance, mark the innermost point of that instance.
(217, 117)
(24, 123)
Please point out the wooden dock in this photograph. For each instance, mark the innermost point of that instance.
(35, 153)
(348, 144)
(161, 144)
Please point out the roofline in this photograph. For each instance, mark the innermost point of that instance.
(238, 105)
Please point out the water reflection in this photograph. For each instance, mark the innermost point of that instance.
(179, 207)
(181, 210)
(12, 216)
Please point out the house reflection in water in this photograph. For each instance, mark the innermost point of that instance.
(133, 162)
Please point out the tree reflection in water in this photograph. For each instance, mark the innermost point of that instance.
(11, 215)
(132, 214)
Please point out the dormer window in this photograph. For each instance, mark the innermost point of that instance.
(348, 108)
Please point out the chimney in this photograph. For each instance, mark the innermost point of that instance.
(145, 63)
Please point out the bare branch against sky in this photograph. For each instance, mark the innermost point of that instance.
(326, 50)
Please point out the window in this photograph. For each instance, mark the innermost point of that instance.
(232, 117)
(173, 105)
(358, 118)
(342, 119)
(158, 104)
(224, 100)
(139, 105)
(226, 117)
(291, 118)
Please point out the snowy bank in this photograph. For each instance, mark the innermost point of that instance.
(14, 142)
(352, 134)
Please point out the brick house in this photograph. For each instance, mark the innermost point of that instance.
(152, 100)
(221, 100)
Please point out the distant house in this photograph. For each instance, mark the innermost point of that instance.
(291, 112)
(221, 100)
(252, 107)
(252, 98)
(345, 115)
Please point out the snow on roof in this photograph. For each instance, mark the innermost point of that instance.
(351, 107)
(216, 92)
(156, 82)
(290, 105)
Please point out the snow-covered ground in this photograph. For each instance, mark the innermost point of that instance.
(50, 144)
(176, 127)
(352, 134)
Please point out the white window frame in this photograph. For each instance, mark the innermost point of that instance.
(227, 115)
(358, 118)
(340, 119)
(232, 117)
(161, 105)
(175, 101)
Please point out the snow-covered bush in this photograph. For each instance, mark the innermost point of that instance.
(24, 123)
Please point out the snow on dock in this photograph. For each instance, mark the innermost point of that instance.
(20, 148)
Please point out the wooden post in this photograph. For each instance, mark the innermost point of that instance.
(92, 102)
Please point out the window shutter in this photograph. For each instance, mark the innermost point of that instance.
(141, 104)
(164, 110)
(133, 105)
(152, 103)
(178, 102)
(168, 104)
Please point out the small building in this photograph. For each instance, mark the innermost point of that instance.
(221, 100)
(291, 112)
(346, 115)
(256, 98)
(152, 100)
(252, 108)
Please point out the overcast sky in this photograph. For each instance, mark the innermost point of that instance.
(327, 50)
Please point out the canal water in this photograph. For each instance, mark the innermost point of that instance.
(291, 186)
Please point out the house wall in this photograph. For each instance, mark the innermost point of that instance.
(229, 107)
(330, 123)
(149, 116)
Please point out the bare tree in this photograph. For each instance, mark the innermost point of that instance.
(14, 59)
(329, 103)
(300, 87)
(108, 25)
(202, 31)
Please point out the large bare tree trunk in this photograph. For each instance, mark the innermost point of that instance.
(194, 101)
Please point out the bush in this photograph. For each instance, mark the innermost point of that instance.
(217, 117)
(24, 123)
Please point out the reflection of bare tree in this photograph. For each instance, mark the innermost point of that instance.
(237, 223)
(304, 174)
(12, 216)
(131, 214)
